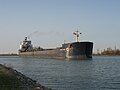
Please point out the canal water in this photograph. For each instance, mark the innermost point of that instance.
(100, 73)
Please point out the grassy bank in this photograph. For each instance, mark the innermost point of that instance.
(8, 81)
(11, 79)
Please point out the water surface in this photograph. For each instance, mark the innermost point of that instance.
(100, 73)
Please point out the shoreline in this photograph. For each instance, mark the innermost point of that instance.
(22, 80)
(104, 55)
(9, 55)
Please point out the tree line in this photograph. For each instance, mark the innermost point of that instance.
(109, 51)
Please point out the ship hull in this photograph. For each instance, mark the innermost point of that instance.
(44, 54)
(77, 50)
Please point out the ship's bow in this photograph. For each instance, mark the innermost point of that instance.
(79, 50)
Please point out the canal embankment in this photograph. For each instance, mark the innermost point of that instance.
(11, 79)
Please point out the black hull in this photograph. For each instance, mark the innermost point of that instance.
(77, 50)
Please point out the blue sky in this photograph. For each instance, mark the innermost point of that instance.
(56, 20)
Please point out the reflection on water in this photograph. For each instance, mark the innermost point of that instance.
(100, 73)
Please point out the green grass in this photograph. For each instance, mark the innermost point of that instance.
(9, 82)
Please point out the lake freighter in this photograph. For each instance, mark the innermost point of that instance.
(75, 50)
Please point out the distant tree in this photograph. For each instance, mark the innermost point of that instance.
(109, 51)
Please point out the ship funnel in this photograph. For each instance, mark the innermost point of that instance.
(76, 33)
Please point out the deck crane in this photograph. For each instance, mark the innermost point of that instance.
(76, 33)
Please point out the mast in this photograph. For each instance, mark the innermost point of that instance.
(76, 33)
